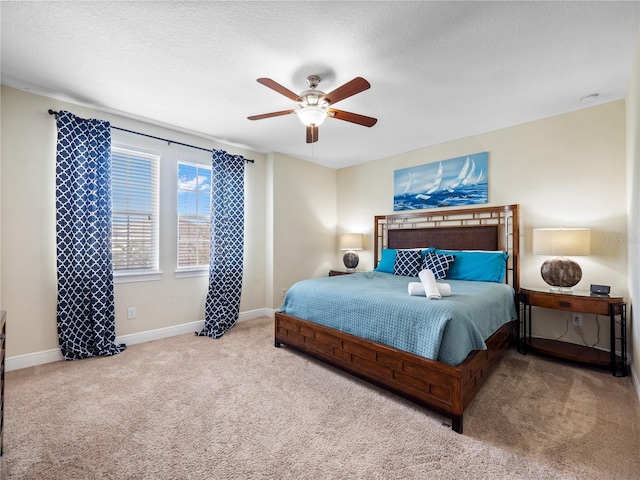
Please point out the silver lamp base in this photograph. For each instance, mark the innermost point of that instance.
(561, 274)
(350, 260)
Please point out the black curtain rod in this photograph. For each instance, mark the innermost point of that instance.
(53, 112)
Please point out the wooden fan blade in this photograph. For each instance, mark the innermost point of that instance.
(356, 85)
(353, 117)
(267, 82)
(312, 134)
(272, 114)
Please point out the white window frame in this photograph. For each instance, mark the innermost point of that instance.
(189, 270)
(152, 272)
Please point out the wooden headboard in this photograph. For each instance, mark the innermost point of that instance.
(485, 228)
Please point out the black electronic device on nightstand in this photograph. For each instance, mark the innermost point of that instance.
(600, 290)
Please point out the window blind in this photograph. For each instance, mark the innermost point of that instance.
(134, 181)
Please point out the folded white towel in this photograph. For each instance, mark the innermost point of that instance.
(417, 289)
(430, 286)
(444, 289)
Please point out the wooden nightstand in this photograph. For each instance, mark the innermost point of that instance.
(335, 273)
(579, 302)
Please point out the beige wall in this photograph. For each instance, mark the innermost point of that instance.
(633, 207)
(28, 227)
(566, 170)
(303, 214)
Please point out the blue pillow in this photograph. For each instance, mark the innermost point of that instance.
(438, 263)
(387, 261)
(407, 263)
(477, 265)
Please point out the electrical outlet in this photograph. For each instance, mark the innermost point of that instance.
(577, 319)
(284, 292)
(131, 312)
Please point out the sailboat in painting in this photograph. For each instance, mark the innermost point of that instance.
(409, 184)
(462, 177)
(404, 198)
(432, 187)
(458, 181)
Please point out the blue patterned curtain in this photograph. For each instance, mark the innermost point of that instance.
(86, 314)
(222, 306)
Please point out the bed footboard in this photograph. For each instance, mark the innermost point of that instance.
(445, 389)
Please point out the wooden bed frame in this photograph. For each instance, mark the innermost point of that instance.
(443, 388)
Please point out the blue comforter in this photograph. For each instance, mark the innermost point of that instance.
(377, 306)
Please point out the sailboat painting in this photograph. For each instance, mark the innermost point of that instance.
(453, 182)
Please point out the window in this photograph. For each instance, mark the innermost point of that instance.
(194, 198)
(134, 185)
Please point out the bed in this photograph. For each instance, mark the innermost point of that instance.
(435, 383)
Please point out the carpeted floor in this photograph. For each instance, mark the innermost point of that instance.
(190, 407)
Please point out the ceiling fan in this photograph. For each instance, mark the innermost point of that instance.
(315, 105)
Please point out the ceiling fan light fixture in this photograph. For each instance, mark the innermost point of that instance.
(312, 115)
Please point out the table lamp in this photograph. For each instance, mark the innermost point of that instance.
(350, 242)
(561, 273)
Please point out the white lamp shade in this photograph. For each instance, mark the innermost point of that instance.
(351, 241)
(561, 242)
(312, 115)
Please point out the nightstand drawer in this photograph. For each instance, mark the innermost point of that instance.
(595, 305)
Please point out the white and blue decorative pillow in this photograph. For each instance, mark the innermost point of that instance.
(407, 263)
(438, 263)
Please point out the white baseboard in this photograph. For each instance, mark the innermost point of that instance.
(31, 359)
(47, 356)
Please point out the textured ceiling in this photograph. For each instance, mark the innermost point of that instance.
(438, 70)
